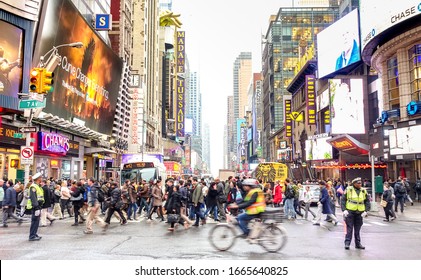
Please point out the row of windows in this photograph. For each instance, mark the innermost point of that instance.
(414, 60)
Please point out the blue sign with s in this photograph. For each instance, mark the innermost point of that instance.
(103, 22)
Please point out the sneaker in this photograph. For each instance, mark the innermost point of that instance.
(51, 222)
(316, 224)
(392, 218)
(75, 224)
(5, 225)
(385, 220)
(36, 238)
(88, 232)
(170, 229)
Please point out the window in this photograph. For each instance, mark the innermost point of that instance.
(414, 55)
(393, 82)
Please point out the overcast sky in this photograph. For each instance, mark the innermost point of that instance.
(217, 32)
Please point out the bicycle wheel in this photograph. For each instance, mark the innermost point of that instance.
(222, 237)
(273, 238)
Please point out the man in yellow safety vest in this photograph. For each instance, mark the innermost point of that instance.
(354, 204)
(35, 202)
(253, 203)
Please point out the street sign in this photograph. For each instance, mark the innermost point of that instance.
(31, 104)
(26, 155)
(28, 129)
(18, 135)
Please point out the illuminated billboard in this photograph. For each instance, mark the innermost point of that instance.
(347, 111)
(86, 83)
(11, 42)
(318, 149)
(338, 46)
(392, 13)
(405, 140)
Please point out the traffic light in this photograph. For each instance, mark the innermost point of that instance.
(35, 80)
(47, 81)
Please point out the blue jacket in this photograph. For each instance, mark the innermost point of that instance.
(325, 201)
(10, 197)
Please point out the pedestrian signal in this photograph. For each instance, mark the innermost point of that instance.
(47, 81)
(35, 80)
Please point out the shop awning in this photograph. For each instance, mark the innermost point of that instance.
(349, 145)
(99, 150)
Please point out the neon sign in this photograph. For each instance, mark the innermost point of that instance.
(53, 142)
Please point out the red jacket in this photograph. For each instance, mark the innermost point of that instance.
(277, 194)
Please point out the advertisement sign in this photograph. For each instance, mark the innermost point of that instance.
(180, 84)
(349, 145)
(318, 149)
(405, 140)
(347, 112)
(11, 43)
(288, 119)
(52, 142)
(323, 100)
(7, 133)
(373, 22)
(311, 99)
(345, 51)
(86, 83)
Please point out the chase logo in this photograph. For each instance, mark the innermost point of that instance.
(103, 22)
(373, 32)
(419, 7)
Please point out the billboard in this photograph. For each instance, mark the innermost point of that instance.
(344, 51)
(11, 44)
(318, 149)
(373, 22)
(347, 111)
(311, 99)
(405, 140)
(86, 83)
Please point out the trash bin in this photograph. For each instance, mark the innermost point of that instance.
(378, 181)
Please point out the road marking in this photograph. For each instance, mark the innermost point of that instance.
(380, 224)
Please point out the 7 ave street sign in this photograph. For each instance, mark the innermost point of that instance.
(31, 104)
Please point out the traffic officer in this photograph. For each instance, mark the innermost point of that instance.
(354, 204)
(253, 203)
(35, 202)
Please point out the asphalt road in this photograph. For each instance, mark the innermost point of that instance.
(399, 240)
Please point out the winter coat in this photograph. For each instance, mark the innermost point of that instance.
(10, 197)
(157, 195)
(212, 198)
(47, 197)
(325, 201)
(174, 202)
(76, 192)
(197, 196)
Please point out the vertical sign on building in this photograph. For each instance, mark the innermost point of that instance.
(288, 119)
(180, 84)
(311, 99)
(135, 124)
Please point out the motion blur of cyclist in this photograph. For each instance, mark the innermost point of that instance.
(253, 203)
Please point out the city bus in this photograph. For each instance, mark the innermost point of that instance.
(139, 171)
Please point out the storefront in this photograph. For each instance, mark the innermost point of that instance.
(9, 152)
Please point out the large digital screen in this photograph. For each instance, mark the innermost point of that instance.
(347, 111)
(338, 46)
(318, 149)
(405, 140)
(377, 16)
(86, 83)
(11, 42)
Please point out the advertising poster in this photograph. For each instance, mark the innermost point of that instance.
(10, 59)
(347, 112)
(86, 83)
(405, 140)
(318, 149)
(346, 49)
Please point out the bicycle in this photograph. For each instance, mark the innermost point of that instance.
(265, 231)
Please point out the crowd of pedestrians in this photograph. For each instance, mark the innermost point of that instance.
(188, 202)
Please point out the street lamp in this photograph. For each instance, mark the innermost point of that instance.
(53, 60)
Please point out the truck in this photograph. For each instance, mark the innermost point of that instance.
(268, 172)
(225, 173)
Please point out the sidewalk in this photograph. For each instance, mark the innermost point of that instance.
(410, 213)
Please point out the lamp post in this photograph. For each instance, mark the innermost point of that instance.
(51, 65)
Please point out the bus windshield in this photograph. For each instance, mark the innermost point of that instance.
(138, 174)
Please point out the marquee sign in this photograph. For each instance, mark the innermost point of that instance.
(53, 142)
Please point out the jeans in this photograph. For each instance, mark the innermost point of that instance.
(215, 211)
(199, 213)
(243, 220)
(143, 204)
(132, 208)
(400, 200)
(289, 207)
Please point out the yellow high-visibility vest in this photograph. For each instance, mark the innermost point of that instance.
(259, 206)
(40, 195)
(354, 201)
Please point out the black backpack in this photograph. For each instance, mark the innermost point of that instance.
(400, 188)
(289, 192)
(100, 195)
(417, 186)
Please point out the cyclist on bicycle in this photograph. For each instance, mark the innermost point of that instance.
(253, 203)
